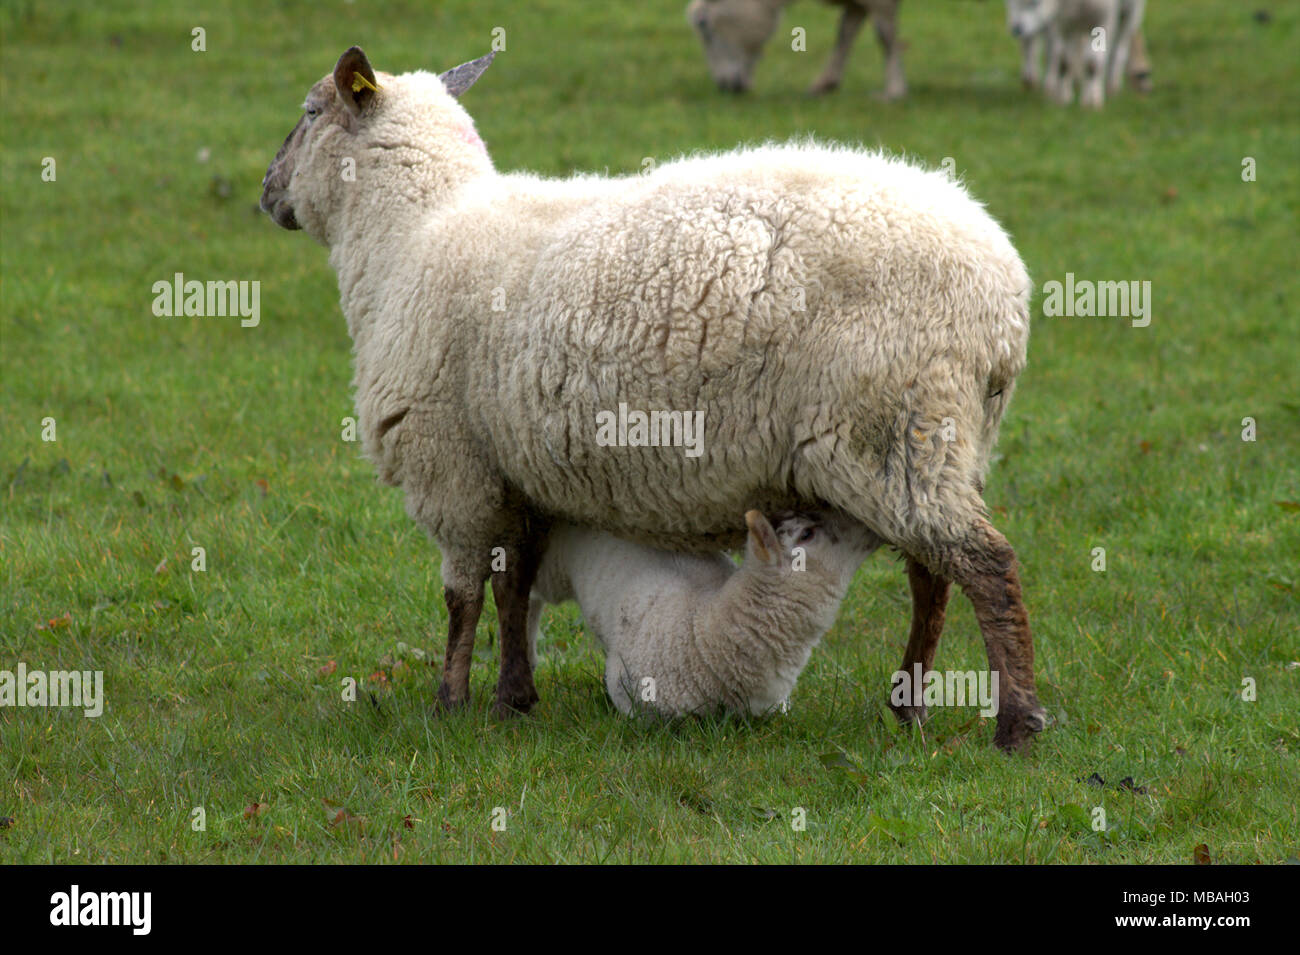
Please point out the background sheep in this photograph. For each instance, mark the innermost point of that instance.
(704, 633)
(734, 33)
(1064, 29)
(850, 326)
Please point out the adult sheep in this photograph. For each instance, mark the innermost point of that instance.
(851, 328)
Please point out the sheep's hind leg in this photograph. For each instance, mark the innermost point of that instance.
(929, 604)
(985, 567)
(512, 588)
(464, 604)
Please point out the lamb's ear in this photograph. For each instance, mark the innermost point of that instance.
(355, 80)
(763, 544)
(460, 78)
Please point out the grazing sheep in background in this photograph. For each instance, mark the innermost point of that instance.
(734, 33)
(693, 634)
(1065, 29)
(848, 327)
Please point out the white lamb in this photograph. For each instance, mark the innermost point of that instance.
(694, 634)
(847, 327)
(1076, 52)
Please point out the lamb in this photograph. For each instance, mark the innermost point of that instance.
(734, 33)
(848, 329)
(1066, 28)
(687, 634)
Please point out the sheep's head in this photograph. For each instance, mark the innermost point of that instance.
(349, 111)
(1027, 18)
(733, 33)
(823, 543)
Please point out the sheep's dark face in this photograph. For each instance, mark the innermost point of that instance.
(310, 177)
(733, 33)
(337, 101)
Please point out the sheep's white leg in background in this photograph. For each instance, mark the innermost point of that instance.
(1070, 68)
(1053, 63)
(1031, 51)
(929, 604)
(1095, 60)
(851, 21)
(1120, 50)
(512, 588)
(884, 17)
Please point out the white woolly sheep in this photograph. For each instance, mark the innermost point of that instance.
(734, 33)
(694, 634)
(849, 327)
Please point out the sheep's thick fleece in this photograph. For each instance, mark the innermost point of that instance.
(826, 309)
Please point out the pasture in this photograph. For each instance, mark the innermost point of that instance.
(1173, 675)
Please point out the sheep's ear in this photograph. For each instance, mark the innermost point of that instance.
(355, 80)
(460, 78)
(763, 544)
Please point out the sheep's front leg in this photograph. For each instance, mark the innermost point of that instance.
(850, 23)
(929, 605)
(512, 588)
(464, 596)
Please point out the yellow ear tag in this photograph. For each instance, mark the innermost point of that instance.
(359, 81)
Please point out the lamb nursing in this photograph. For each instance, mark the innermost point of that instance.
(692, 634)
(848, 327)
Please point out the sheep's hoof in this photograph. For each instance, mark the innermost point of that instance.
(824, 86)
(1017, 728)
(911, 715)
(447, 702)
(509, 709)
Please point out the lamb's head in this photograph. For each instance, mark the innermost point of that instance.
(408, 130)
(1027, 18)
(733, 33)
(825, 546)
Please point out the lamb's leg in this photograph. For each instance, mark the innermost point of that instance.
(512, 588)
(851, 21)
(464, 599)
(929, 603)
(984, 564)
(884, 17)
(1031, 49)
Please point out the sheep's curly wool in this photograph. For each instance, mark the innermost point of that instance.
(826, 308)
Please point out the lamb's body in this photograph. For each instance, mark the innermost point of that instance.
(850, 326)
(694, 634)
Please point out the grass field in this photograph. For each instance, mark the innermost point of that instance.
(222, 687)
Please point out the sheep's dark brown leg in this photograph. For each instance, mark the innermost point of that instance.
(986, 569)
(929, 604)
(464, 604)
(516, 692)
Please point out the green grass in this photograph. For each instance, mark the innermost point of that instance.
(176, 433)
